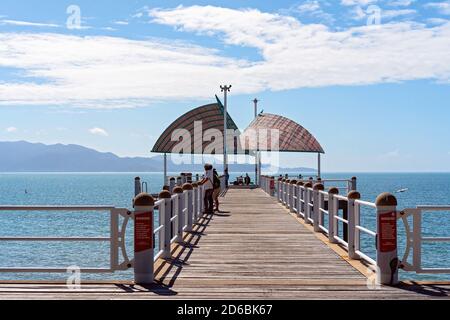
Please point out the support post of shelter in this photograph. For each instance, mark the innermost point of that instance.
(319, 164)
(165, 169)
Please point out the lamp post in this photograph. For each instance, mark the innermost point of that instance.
(257, 145)
(225, 89)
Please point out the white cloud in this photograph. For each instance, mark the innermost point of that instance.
(27, 24)
(437, 21)
(11, 129)
(309, 6)
(442, 7)
(312, 8)
(105, 72)
(357, 2)
(401, 3)
(121, 23)
(390, 14)
(99, 132)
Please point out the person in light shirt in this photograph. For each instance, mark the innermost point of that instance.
(209, 189)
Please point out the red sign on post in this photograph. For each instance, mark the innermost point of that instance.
(387, 231)
(143, 231)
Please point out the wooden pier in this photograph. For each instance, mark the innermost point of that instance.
(254, 249)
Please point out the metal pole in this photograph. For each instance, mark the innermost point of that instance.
(319, 169)
(257, 143)
(165, 169)
(225, 89)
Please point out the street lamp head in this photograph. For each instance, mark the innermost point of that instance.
(225, 88)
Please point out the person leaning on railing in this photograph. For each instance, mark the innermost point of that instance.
(207, 181)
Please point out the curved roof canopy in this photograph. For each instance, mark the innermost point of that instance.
(292, 136)
(211, 117)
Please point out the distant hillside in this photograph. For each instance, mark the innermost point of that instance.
(24, 156)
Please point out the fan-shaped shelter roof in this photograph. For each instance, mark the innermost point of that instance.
(292, 136)
(211, 116)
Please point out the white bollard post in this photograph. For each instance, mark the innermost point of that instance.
(316, 209)
(166, 234)
(178, 210)
(143, 238)
(352, 196)
(188, 189)
(332, 211)
(387, 258)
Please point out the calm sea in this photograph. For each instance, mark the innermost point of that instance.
(117, 189)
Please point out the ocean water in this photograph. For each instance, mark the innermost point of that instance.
(117, 189)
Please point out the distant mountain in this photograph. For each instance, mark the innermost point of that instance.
(24, 156)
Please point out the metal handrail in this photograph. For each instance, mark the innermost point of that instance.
(116, 238)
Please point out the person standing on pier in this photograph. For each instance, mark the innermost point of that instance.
(209, 189)
(227, 178)
(216, 192)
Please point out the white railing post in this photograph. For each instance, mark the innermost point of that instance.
(316, 209)
(178, 209)
(307, 187)
(284, 192)
(165, 216)
(333, 207)
(279, 191)
(352, 196)
(287, 184)
(143, 238)
(387, 259)
(300, 197)
(195, 209)
(292, 193)
(188, 189)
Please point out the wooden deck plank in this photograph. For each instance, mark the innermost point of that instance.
(253, 250)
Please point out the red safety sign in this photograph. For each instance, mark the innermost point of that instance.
(387, 226)
(143, 231)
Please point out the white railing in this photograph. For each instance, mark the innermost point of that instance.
(415, 238)
(343, 185)
(177, 214)
(116, 237)
(316, 206)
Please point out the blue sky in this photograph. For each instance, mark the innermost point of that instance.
(370, 79)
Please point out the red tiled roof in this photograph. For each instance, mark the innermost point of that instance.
(293, 137)
(210, 115)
